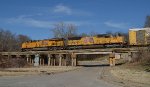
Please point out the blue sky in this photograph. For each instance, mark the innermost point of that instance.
(36, 18)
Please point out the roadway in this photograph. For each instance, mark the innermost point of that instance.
(84, 77)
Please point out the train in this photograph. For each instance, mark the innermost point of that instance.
(73, 43)
(137, 37)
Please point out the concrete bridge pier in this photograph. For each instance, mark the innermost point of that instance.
(112, 59)
(53, 62)
(52, 59)
(73, 59)
(43, 61)
(36, 59)
(60, 59)
(67, 60)
(40, 61)
(129, 56)
(30, 59)
(49, 59)
(64, 60)
(27, 56)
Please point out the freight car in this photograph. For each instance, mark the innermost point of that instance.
(75, 43)
(139, 37)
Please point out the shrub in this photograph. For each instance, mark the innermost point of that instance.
(6, 62)
(143, 57)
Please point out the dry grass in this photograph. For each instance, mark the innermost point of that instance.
(133, 75)
(35, 70)
(142, 57)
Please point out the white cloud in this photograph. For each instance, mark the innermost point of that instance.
(25, 21)
(30, 22)
(62, 9)
(116, 25)
(30, 15)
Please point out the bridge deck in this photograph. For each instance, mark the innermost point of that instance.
(81, 51)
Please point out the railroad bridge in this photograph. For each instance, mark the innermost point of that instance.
(66, 57)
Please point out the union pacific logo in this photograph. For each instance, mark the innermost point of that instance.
(88, 40)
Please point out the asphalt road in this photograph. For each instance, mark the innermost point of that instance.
(84, 77)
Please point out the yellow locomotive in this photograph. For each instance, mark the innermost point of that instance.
(47, 44)
(74, 43)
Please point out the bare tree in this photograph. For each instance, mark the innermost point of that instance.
(59, 30)
(23, 38)
(10, 41)
(71, 30)
(20, 39)
(64, 31)
(7, 40)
